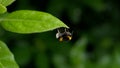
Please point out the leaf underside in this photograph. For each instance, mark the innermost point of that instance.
(29, 21)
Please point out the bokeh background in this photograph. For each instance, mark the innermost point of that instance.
(96, 35)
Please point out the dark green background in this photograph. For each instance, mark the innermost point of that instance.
(96, 32)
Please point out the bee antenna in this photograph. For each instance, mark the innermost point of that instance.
(65, 30)
(58, 30)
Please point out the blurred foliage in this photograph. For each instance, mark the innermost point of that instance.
(95, 44)
(6, 57)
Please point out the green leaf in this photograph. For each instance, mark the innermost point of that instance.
(28, 21)
(3, 9)
(6, 2)
(6, 57)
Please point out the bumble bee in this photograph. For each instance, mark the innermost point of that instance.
(63, 34)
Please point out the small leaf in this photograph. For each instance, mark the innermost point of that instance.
(3, 9)
(26, 21)
(6, 2)
(6, 57)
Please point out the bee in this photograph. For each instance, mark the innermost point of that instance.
(63, 34)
